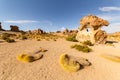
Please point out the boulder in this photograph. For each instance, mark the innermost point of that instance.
(37, 32)
(14, 28)
(1, 27)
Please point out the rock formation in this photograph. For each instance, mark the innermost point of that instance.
(66, 31)
(37, 32)
(1, 27)
(96, 35)
(73, 31)
(14, 28)
(93, 22)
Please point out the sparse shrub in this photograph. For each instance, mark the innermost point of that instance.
(5, 36)
(83, 48)
(71, 38)
(28, 58)
(9, 40)
(23, 37)
(47, 39)
(38, 39)
(70, 66)
(88, 42)
(111, 57)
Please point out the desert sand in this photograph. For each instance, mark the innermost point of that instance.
(48, 68)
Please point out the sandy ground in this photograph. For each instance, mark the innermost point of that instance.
(48, 67)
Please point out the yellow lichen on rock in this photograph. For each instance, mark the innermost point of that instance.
(70, 66)
(28, 58)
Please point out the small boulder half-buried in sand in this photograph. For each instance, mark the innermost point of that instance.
(29, 58)
(82, 61)
(70, 66)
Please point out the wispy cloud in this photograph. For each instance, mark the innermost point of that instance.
(42, 22)
(110, 17)
(109, 9)
(20, 21)
(62, 28)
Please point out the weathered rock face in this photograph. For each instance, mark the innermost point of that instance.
(14, 28)
(84, 36)
(93, 22)
(100, 37)
(96, 35)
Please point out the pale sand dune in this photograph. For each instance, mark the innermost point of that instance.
(48, 67)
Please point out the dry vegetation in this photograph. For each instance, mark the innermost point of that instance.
(46, 36)
(89, 43)
(71, 38)
(83, 48)
(8, 37)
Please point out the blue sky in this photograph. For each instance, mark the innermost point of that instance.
(53, 15)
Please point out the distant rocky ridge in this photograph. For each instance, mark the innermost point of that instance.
(67, 31)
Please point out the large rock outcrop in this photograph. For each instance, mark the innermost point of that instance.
(96, 35)
(1, 27)
(14, 28)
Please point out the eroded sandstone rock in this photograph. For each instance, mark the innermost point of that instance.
(95, 35)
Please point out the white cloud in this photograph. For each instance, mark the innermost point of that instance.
(62, 28)
(110, 17)
(20, 21)
(44, 22)
(110, 9)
